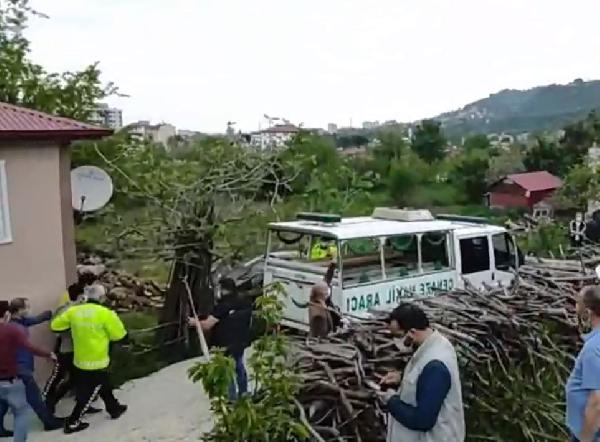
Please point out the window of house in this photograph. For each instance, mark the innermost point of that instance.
(5, 231)
(434, 252)
(401, 256)
(475, 255)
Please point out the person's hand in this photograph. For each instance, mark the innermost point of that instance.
(391, 378)
(192, 322)
(385, 396)
(53, 357)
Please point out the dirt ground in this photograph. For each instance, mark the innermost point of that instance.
(164, 406)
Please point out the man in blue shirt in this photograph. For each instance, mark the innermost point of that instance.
(583, 386)
(19, 309)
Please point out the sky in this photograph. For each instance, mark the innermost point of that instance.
(201, 63)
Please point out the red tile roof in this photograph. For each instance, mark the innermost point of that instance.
(536, 181)
(22, 123)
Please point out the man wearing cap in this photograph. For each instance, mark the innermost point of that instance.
(93, 327)
(12, 389)
(428, 406)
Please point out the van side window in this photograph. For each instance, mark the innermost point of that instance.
(503, 253)
(401, 256)
(361, 261)
(475, 255)
(434, 252)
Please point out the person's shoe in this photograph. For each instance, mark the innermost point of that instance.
(6, 433)
(75, 428)
(93, 410)
(55, 425)
(118, 412)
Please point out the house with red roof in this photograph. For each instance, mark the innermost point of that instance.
(37, 236)
(522, 190)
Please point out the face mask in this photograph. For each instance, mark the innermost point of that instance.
(585, 320)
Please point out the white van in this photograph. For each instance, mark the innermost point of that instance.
(385, 258)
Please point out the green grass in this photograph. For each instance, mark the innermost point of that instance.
(126, 361)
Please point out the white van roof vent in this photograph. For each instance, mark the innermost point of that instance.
(402, 214)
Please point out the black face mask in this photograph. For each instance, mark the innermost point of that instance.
(409, 342)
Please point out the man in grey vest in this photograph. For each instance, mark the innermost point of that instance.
(428, 406)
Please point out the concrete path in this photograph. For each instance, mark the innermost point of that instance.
(165, 406)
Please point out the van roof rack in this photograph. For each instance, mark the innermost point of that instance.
(327, 218)
(468, 219)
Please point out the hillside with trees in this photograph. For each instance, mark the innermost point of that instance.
(516, 111)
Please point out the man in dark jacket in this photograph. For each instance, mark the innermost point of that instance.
(20, 316)
(230, 323)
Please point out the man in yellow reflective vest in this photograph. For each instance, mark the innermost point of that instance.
(93, 327)
(323, 250)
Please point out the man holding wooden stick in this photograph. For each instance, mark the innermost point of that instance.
(230, 323)
(583, 386)
(428, 406)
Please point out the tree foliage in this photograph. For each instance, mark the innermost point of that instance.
(402, 183)
(390, 148)
(469, 175)
(547, 155)
(505, 163)
(582, 184)
(476, 142)
(579, 137)
(25, 83)
(428, 141)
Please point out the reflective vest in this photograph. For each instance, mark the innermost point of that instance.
(93, 327)
(319, 251)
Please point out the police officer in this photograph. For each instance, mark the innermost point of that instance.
(93, 327)
(323, 250)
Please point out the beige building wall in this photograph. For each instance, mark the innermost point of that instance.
(39, 263)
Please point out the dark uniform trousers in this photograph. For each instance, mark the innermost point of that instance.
(88, 385)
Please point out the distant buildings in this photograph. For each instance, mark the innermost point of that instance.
(108, 117)
(274, 137)
(501, 140)
(188, 134)
(370, 124)
(157, 133)
(332, 128)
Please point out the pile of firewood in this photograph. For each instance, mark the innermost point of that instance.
(125, 292)
(515, 347)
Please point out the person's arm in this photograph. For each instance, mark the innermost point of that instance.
(61, 322)
(590, 381)
(30, 321)
(114, 327)
(433, 386)
(22, 341)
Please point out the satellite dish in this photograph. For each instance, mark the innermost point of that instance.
(91, 188)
